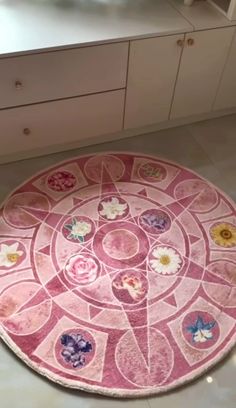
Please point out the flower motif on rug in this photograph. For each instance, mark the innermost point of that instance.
(155, 221)
(132, 284)
(152, 171)
(201, 331)
(83, 269)
(165, 261)
(9, 254)
(78, 229)
(75, 348)
(224, 234)
(113, 208)
(61, 181)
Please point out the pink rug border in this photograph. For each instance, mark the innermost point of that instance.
(115, 392)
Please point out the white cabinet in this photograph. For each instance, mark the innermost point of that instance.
(62, 74)
(202, 63)
(153, 66)
(226, 96)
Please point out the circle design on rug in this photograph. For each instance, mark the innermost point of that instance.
(155, 221)
(152, 172)
(75, 349)
(121, 245)
(165, 261)
(78, 229)
(104, 257)
(97, 165)
(12, 254)
(130, 286)
(61, 181)
(113, 208)
(200, 329)
(136, 367)
(82, 269)
(223, 234)
(18, 209)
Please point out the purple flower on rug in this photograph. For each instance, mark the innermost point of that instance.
(154, 221)
(201, 332)
(75, 346)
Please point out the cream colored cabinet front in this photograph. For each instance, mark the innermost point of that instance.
(153, 67)
(226, 96)
(40, 126)
(202, 63)
(62, 74)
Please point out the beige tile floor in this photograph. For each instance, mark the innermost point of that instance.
(210, 149)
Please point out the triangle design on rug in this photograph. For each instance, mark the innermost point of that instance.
(193, 239)
(45, 250)
(171, 300)
(94, 311)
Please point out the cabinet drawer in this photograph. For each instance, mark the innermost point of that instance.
(54, 75)
(53, 123)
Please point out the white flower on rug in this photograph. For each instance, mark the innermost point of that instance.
(166, 261)
(78, 229)
(9, 255)
(112, 209)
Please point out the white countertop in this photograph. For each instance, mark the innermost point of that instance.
(33, 25)
(28, 26)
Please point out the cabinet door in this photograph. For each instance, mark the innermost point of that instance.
(202, 63)
(226, 96)
(153, 66)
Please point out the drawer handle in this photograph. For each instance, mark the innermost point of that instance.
(190, 42)
(180, 43)
(26, 131)
(18, 85)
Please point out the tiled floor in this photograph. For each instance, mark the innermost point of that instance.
(209, 148)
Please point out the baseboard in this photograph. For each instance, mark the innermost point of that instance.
(112, 137)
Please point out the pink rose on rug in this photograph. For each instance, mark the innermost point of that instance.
(82, 269)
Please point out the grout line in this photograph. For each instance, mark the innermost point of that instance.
(126, 84)
(149, 405)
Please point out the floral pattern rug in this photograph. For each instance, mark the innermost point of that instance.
(118, 274)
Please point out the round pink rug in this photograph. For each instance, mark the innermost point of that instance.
(118, 274)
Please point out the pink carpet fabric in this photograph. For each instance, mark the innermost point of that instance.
(118, 274)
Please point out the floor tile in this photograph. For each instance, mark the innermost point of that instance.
(216, 389)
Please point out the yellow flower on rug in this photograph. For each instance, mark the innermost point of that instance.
(224, 234)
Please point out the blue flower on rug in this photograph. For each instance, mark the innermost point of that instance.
(75, 346)
(201, 331)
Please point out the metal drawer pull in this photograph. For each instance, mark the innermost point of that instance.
(190, 42)
(26, 131)
(180, 43)
(18, 85)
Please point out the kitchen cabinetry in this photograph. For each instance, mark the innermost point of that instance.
(202, 64)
